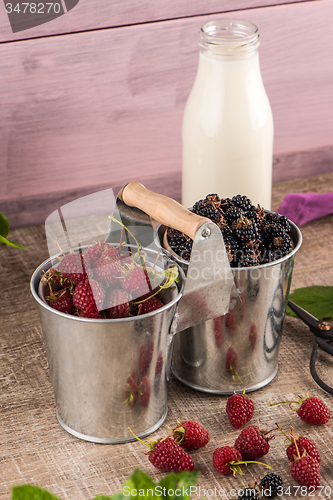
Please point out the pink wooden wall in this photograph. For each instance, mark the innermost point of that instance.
(95, 98)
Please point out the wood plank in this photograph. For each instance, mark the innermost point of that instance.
(90, 15)
(299, 167)
(79, 112)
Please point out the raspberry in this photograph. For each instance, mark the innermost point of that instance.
(136, 281)
(94, 252)
(61, 301)
(88, 297)
(106, 269)
(149, 305)
(303, 445)
(239, 409)
(231, 361)
(191, 435)
(144, 390)
(225, 459)
(252, 443)
(313, 411)
(72, 267)
(271, 485)
(167, 455)
(117, 304)
(306, 472)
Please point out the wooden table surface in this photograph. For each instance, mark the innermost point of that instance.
(35, 449)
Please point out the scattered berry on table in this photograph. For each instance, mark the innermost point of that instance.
(167, 455)
(252, 443)
(311, 410)
(304, 444)
(306, 472)
(271, 485)
(190, 435)
(226, 460)
(239, 409)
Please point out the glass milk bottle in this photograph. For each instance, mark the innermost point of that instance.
(227, 129)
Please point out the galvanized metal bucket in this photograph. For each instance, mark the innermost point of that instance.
(240, 349)
(93, 363)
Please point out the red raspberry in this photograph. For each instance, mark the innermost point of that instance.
(94, 252)
(303, 445)
(313, 411)
(149, 305)
(239, 409)
(88, 297)
(225, 459)
(106, 269)
(144, 390)
(131, 390)
(61, 301)
(191, 435)
(73, 268)
(306, 472)
(167, 455)
(136, 281)
(252, 443)
(146, 355)
(117, 304)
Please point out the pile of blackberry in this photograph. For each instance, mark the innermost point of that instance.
(251, 236)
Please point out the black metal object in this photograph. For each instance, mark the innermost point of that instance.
(324, 335)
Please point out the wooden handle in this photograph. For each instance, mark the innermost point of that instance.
(163, 209)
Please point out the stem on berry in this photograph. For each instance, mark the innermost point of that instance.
(234, 466)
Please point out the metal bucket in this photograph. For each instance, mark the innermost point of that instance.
(240, 349)
(92, 362)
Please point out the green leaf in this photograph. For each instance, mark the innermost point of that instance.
(178, 485)
(317, 300)
(29, 492)
(11, 243)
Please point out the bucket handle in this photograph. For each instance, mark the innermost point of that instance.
(164, 210)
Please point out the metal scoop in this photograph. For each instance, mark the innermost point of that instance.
(209, 278)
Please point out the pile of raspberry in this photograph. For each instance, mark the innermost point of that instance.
(251, 235)
(103, 283)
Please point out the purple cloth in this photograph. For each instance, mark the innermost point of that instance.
(301, 208)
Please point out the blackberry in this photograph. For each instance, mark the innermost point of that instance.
(242, 202)
(281, 245)
(254, 217)
(245, 230)
(208, 211)
(279, 219)
(271, 485)
(233, 213)
(271, 231)
(232, 247)
(213, 198)
(248, 494)
(180, 244)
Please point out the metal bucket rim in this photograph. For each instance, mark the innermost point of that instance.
(35, 279)
(176, 258)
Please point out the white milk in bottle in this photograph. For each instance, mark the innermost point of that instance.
(228, 125)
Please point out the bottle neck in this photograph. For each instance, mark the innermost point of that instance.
(229, 39)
